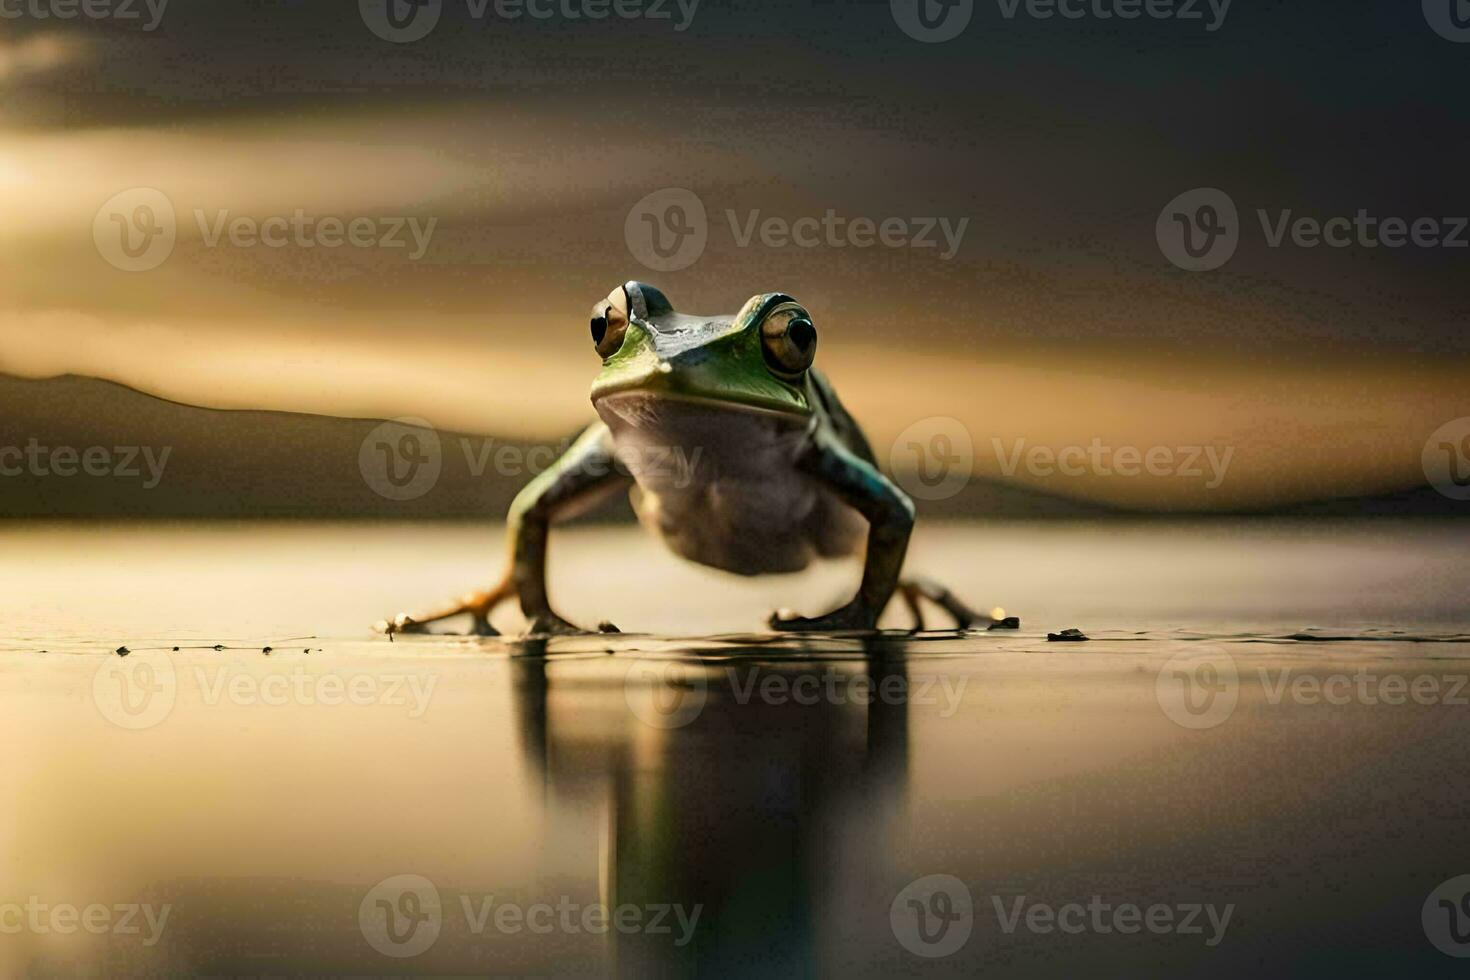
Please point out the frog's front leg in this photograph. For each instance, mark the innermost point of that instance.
(890, 514)
(579, 480)
(583, 477)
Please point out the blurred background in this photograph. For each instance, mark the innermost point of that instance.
(169, 184)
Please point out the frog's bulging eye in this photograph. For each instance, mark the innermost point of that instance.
(610, 323)
(788, 340)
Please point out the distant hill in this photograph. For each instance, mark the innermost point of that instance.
(123, 453)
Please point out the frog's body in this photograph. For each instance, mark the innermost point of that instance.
(737, 453)
(720, 487)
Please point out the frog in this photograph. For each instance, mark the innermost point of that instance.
(736, 452)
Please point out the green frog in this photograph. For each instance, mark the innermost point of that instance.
(771, 471)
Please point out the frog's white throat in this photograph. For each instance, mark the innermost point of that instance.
(704, 439)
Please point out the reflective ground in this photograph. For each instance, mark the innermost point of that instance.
(1256, 764)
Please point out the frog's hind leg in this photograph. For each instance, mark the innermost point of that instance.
(478, 605)
(914, 589)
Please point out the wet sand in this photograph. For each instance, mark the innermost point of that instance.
(1255, 764)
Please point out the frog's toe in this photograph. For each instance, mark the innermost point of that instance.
(481, 627)
(913, 589)
(550, 624)
(402, 623)
(853, 616)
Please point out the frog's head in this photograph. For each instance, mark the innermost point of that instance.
(756, 359)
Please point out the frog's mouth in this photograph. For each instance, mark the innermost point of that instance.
(712, 435)
(639, 408)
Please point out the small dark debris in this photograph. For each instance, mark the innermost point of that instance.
(218, 647)
(266, 650)
(1009, 623)
(606, 627)
(176, 649)
(1067, 636)
(122, 651)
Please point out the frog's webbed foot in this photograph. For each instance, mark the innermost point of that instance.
(856, 615)
(914, 589)
(549, 623)
(478, 605)
(402, 623)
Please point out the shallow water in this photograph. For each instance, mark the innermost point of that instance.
(1269, 719)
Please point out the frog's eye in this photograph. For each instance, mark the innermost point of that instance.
(788, 340)
(610, 323)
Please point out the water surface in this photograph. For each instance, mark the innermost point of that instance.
(1242, 731)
